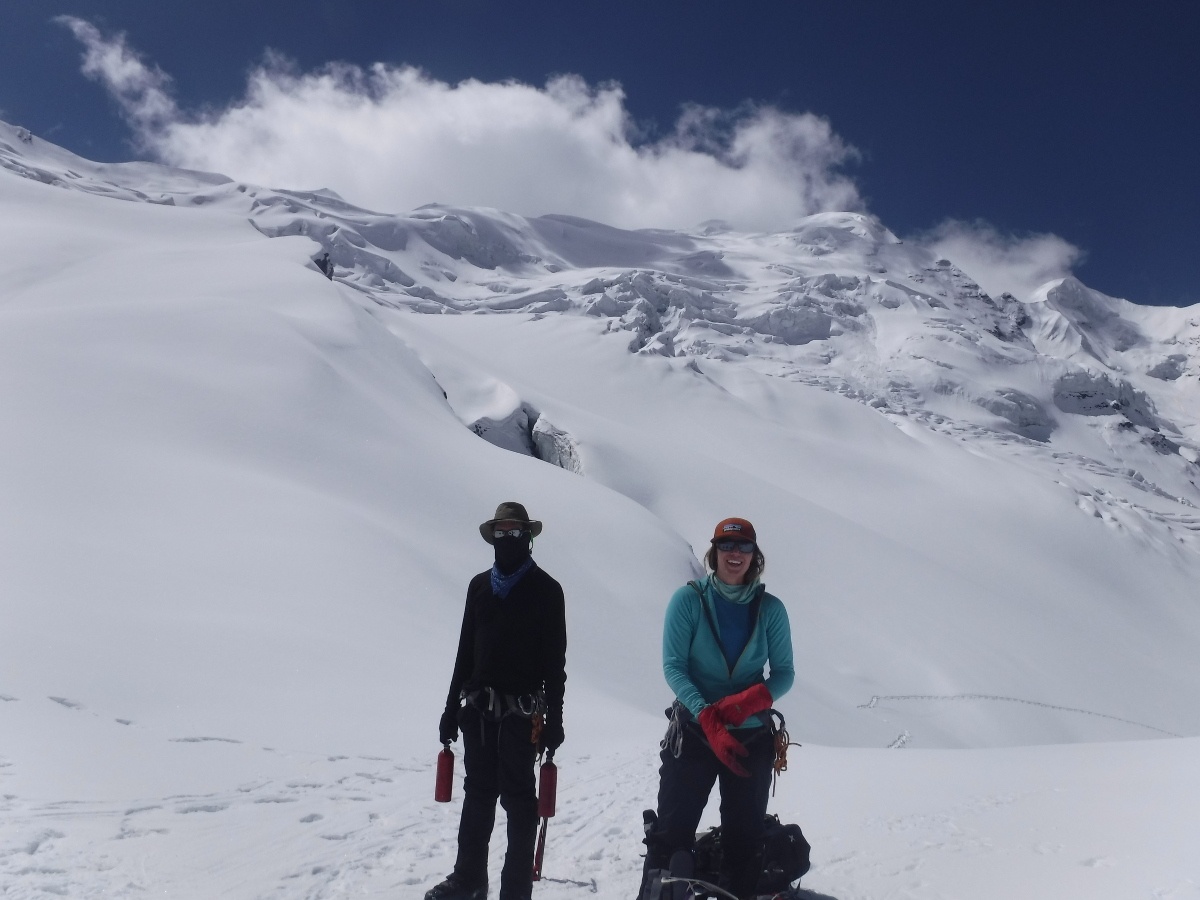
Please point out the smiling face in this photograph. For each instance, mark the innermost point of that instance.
(733, 564)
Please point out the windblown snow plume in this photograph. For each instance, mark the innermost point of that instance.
(142, 91)
(1004, 264)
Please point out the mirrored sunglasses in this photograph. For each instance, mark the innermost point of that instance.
(739, 546)
(498, 533)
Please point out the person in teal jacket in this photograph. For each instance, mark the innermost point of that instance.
(727, 655)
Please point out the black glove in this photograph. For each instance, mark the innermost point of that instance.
(448, 726)
(552, 734)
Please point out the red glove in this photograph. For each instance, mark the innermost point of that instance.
(723, 744)
(737, 708)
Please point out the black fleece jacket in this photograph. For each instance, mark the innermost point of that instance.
(516, 644)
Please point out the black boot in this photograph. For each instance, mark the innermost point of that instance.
(455, 889)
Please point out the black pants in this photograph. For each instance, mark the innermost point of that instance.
(683, 788)
(498, 759)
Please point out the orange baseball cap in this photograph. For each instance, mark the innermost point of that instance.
(734, 529)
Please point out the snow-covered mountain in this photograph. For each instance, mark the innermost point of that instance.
(240, 499)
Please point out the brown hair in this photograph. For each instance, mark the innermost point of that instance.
(756, 565)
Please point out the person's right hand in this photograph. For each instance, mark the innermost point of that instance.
(724, 745)
(448, 726)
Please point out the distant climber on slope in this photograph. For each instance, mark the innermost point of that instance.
(325, 264)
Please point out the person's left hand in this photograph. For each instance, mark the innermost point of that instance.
(552, 734)
(737, 708)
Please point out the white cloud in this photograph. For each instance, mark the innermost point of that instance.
(1001, 262)
(395, 138)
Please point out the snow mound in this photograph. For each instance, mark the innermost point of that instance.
(241, 504)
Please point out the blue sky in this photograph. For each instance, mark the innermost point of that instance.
(1048, 137)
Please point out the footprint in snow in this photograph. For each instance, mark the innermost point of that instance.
(374, 778)
(202, 740)
(128, 833)
(41, 840)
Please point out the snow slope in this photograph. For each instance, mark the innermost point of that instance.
(239, 509)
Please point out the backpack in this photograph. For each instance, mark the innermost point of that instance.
(785, 855)
(785, 859)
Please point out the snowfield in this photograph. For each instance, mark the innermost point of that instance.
(239, 506)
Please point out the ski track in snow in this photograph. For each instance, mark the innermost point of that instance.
(904, 738)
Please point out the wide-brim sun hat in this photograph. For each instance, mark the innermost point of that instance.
(734, 530)
(509, 511)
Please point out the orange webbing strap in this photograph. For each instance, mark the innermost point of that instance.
(782, 742)
(535, 735)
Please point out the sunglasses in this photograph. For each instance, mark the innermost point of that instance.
(739, 546)
(498, 533)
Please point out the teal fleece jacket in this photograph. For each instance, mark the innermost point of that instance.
(694, 665)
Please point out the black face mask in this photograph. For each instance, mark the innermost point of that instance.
(511, 553)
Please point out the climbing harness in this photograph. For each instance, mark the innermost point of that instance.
(496, 707)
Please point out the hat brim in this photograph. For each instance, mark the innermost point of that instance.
(486, 529)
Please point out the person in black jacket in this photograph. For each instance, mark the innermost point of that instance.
(506, 695)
